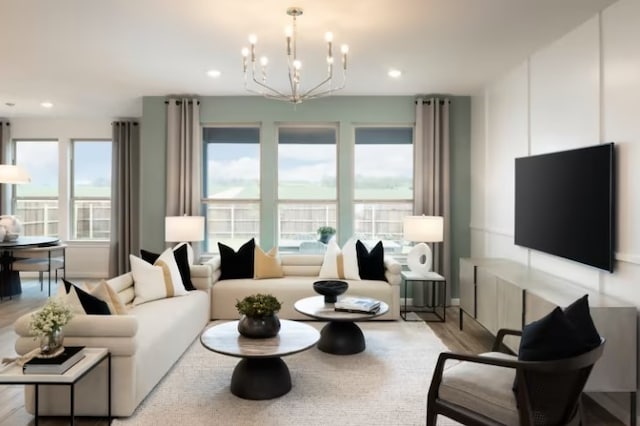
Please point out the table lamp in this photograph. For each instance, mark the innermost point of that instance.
(183, 229)
(422, 229)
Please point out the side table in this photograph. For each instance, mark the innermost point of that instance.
(13, 375)
(437, 300)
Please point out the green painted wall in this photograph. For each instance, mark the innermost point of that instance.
(343, 111)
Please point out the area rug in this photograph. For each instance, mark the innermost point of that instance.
(386, 384)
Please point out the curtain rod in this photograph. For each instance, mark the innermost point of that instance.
(179, 102)
(135, 123)
(428, 102)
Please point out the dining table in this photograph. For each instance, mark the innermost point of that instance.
(10, 279)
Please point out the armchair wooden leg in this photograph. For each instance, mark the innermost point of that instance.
(431, 417)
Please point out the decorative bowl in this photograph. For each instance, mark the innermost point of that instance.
(330, 289)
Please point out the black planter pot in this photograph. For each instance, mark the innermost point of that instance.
(259, 327)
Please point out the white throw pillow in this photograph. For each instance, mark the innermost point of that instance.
(157, 281)
(341, 264)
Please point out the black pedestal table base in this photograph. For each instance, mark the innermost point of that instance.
(341, 338)
(260, 378)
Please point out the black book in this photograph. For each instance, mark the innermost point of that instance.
(56, 365)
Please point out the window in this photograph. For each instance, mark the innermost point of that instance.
(307, 191)
(231, 185)
(90, 189)
(383, 181)
(36, 203)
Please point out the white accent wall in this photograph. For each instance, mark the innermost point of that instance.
(582, 90)
(84, 259)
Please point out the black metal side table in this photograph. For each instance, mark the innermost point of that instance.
(438, 296)
(13, 375)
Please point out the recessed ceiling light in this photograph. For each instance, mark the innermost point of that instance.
(214, 73)
(46, 104)
(393, 73)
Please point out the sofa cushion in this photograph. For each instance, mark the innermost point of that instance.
(341, 264)
(370, 263)
(90, 303)
(267, 265)
(238, 264)
(157, 281)
(181, 255)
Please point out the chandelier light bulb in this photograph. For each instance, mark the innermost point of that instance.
(344, 49)
(255, 67)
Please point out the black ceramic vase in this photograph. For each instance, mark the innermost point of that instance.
(259, 327)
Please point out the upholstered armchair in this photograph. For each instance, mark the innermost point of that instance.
(497, 389)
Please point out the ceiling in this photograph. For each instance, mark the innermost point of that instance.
(99, 58)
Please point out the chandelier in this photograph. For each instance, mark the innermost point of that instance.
(257, 83)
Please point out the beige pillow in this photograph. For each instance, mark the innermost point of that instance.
(71, 300)
(266, 265)
(342, 264)
(157, 281)
(107, 294)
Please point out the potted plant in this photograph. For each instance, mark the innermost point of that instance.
(325, 233)
(259, 319)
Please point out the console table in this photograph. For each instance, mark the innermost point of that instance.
(500, 293)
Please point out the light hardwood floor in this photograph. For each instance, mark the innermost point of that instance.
(474, 339)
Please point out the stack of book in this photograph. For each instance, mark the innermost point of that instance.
(358, 304)
(56, 365)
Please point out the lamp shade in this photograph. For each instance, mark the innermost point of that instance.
(424, 229)
(183, 228)
(10, 173)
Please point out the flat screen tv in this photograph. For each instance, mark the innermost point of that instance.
(565, 204)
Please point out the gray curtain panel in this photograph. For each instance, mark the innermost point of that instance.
(125, 196)
(184, 160)
(5, 158)
(431, 183)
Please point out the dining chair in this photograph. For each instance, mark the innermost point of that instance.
(41, 259)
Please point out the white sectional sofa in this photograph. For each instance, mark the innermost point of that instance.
(144, 344)
(300, 272)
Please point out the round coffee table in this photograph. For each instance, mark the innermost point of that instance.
(261, 373)
(341, 335)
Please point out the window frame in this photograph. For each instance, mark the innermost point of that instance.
(208, 202)
(73, 225)
(280, 202)
(381, 201)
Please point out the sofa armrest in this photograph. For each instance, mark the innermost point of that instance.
(392, 271)
(214, 263)
(201, 276)
(115, 332)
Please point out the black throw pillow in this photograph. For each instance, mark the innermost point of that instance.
(180, 254)
(237, 264)
(551, 337)
(91, 304)
(579, 316)
(149, 256)
(370, 263)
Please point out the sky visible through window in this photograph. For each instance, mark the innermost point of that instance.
(92, 168)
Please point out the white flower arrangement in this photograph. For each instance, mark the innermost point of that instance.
(53, 315)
